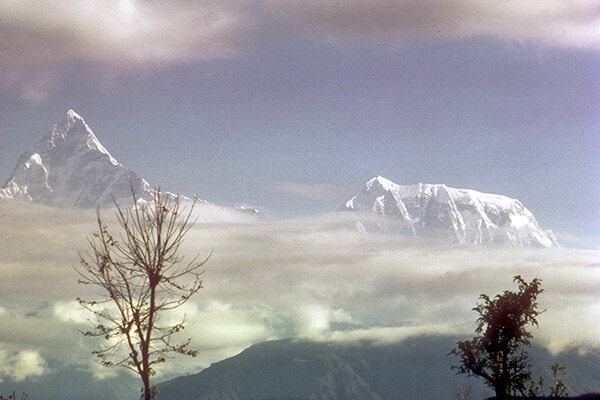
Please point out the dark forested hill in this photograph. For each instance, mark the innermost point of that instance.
(416, 368)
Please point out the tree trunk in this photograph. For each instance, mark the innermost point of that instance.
(146, 342)
(147, 388)
(501, 389)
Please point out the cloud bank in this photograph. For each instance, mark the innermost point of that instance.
(313, 278)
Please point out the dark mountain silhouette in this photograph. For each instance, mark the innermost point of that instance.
(416, 368)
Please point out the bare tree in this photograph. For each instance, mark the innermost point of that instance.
(464, 394)
(559, 389)
(142, 275)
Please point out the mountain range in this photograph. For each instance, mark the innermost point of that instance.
(70, 168)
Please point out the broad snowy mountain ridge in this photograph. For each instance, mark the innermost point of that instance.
(455, 215)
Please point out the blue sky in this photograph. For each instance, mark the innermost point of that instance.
(291, 106)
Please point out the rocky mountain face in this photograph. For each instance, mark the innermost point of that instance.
(454, 215)
(416, 368)
(70, 168)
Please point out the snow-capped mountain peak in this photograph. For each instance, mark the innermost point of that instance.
(69, 167)
(380, 182)
(457, 215)
(73, 129)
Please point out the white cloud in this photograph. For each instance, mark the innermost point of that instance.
(384, 335)
(121, 32)
(221, 325)
(314, 320)
(71, 312)
(208, 213)
(41, 40)
(22, 365)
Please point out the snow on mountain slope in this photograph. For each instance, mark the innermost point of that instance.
(69, 167)
(457, 215)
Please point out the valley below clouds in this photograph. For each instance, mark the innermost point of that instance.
(314, 278)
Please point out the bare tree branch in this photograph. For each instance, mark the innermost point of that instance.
(141, 273)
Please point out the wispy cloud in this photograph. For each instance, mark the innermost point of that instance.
(551, 23)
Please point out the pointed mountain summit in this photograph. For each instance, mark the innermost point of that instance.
(70, 168)
(455, 215)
